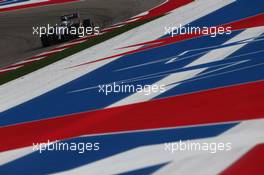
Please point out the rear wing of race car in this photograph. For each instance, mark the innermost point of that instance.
(70, 17)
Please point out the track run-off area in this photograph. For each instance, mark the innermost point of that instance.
(213, 93)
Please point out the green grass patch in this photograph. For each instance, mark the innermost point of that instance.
(9, 76)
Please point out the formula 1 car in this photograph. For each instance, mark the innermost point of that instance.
(71, 26)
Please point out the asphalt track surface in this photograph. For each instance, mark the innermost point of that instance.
(18, 43)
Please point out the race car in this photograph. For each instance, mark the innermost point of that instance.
(71, 26)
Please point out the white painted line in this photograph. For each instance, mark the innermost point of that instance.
(28, 60)
(9, 69)
(49, 52)
(71, 43)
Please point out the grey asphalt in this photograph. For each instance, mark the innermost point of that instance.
(18, 43)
